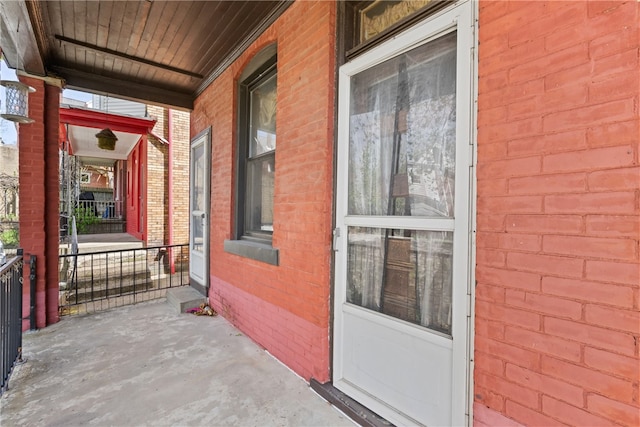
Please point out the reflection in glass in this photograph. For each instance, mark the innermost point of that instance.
(260, 185)
(402, 134)
(197, 231)
(406, 274)
(263, 118)
(198, 178)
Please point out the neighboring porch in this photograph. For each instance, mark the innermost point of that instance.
(117, 269)
(148, 365)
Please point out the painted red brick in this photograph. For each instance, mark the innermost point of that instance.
(589, 379)
(551, 305)
(618, 110)
(38, 146)
(615, 202)
(548, 184)
(529, 416)
(613, 133)
(615, 86)
(544, 24)
(591, 247)
(613, 272)
(615, 364)
(571, 414)
(614, 410)
(549, 264)
(610, 157)
(515, 204)
(614, 318)
(520, 242)
(494, 311)
(511, 390)
(493, 187)
(509, 168)
(545, 224)
(608, 66)
(546, 384)
(509, 278)
(613, 225)
(484, 417)
(543, 343)
(619, 342)
(616, 179)
(509, 353)
(584, 278)
(490, 293)
(582, 290)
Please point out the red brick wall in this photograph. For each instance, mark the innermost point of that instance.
(39, 199)
(285, 308)
(557, 296)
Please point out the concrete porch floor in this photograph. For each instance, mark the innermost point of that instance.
(147, 365)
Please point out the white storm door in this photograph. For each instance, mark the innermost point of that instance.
(200, 163)
(402, 213)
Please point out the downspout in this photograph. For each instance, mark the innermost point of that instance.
(170, 185)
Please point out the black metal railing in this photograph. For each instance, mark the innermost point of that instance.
(10, 317)
(96, 281)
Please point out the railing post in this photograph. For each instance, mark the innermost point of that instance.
(32, 284)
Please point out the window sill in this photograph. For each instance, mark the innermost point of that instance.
(258, 251)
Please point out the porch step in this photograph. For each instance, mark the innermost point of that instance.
(184, 297)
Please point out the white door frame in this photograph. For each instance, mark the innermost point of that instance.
(199, 260)
(460, 17)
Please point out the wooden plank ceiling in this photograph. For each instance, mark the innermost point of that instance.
(164, 52)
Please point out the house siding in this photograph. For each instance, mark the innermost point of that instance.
(557, 307)
(284, 308)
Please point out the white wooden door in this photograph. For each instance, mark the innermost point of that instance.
(200, 164)
(402, 215)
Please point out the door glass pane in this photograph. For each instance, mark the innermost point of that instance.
(197, 231)
(402, 134)
(406, 274)
(197, 197)
(198, 178)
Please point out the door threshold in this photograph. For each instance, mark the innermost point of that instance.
(354, 410)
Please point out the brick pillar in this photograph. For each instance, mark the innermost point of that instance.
(39, 205)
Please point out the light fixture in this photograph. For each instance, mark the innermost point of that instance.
(17, 101)
(106, 139)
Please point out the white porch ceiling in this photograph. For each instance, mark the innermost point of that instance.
(85, 144)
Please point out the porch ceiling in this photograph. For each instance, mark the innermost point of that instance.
(163, 52)
(80, 125)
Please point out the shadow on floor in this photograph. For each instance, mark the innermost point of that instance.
(147, 365)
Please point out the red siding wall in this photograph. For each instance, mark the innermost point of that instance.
(557, 296)
(285, 308)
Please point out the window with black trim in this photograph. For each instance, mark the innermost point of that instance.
(256, 159)
(260, 155)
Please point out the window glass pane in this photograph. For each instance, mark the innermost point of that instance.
(263, 118)
(402, 134)
(197, 230)
(198, 160)
(259, 197)
(406, 274)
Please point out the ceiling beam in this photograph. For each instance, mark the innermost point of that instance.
(125, 89)
(19, 44)
(132, 58)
